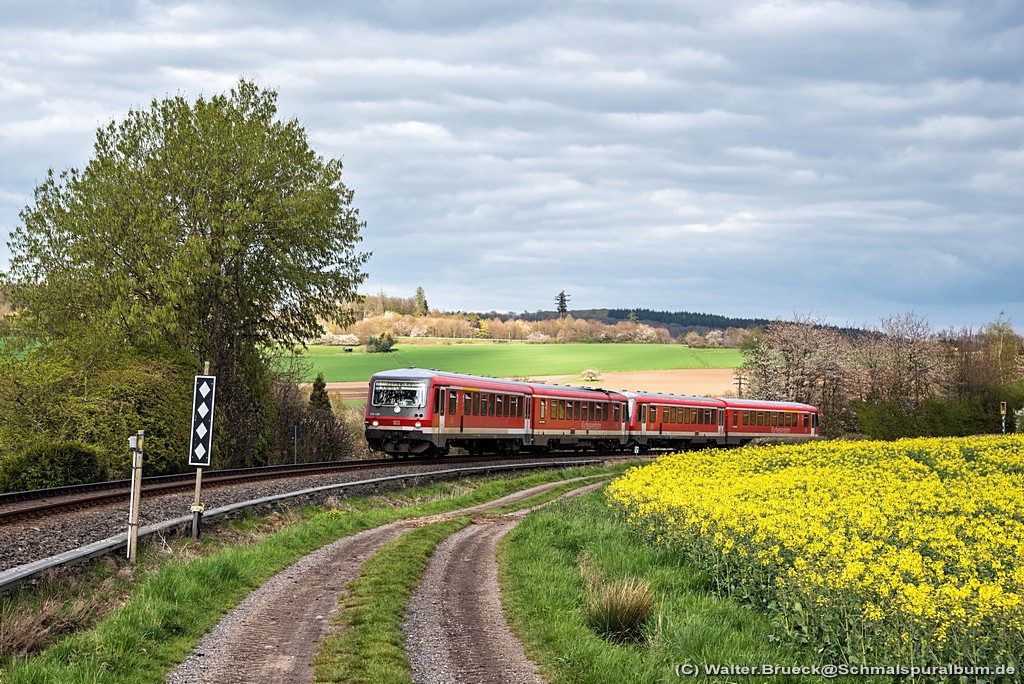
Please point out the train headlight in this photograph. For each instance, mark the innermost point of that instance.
(375, 424)
(419, 424)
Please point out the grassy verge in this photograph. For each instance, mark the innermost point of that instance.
(517, 360)
(543, 564)
(179, 593)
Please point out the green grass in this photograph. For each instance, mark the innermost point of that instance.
(170, 608)
(544, 591)
(516, 360)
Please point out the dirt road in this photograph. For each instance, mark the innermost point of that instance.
(273, 636)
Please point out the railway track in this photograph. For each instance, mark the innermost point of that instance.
(70, 526)
(27, 505)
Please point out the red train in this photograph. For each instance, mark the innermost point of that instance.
(416, 411)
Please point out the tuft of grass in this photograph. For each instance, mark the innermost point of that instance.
(616, 610)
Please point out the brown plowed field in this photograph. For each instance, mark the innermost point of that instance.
(715, 382)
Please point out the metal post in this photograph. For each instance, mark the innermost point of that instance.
(136, 444)
(197, 507)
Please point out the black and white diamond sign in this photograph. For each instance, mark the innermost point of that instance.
(202, 420)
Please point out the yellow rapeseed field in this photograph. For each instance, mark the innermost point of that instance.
(903, 552)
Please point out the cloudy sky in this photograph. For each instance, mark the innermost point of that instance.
(846, 160)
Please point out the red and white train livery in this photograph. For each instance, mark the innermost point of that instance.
(416, 411)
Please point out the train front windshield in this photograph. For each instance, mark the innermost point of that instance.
(398, 393)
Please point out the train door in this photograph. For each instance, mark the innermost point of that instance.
(721, 422)
(436, 411)
(643, 422)
(527, 429)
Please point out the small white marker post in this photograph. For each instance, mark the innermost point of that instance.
(135, 443)
(201, 440)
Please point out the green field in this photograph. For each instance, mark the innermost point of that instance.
(515, 360)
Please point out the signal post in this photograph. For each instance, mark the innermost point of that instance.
(201, 441)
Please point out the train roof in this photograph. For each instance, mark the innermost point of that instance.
(484, 382)
(706, 401)
(764, 405)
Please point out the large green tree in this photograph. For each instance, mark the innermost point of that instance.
(209, 228)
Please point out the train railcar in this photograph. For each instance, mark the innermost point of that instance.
(578, 418)
(416, 411)
(672, 421)
(749, 419)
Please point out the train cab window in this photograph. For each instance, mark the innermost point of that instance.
(806, 416)
(453, 402)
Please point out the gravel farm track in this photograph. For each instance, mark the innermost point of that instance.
(455, 629)
(714, 382)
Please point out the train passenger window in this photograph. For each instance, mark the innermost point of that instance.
(775, 419)
(617, 413)
(586, 410)
(760, 418)
(543, 408)
(467, 403)
(453, 402)
(576, 411)
(561, 409)
(806, 416)
(477, 398)
(498, 404)
(568, 410)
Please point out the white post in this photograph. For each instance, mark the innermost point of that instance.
(136, 444)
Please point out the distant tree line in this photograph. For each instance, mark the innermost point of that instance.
(899, 379)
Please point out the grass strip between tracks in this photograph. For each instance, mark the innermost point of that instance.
(543, 592)
(171, 606)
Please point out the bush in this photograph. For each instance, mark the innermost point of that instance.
(51, 465)
(380, 344)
